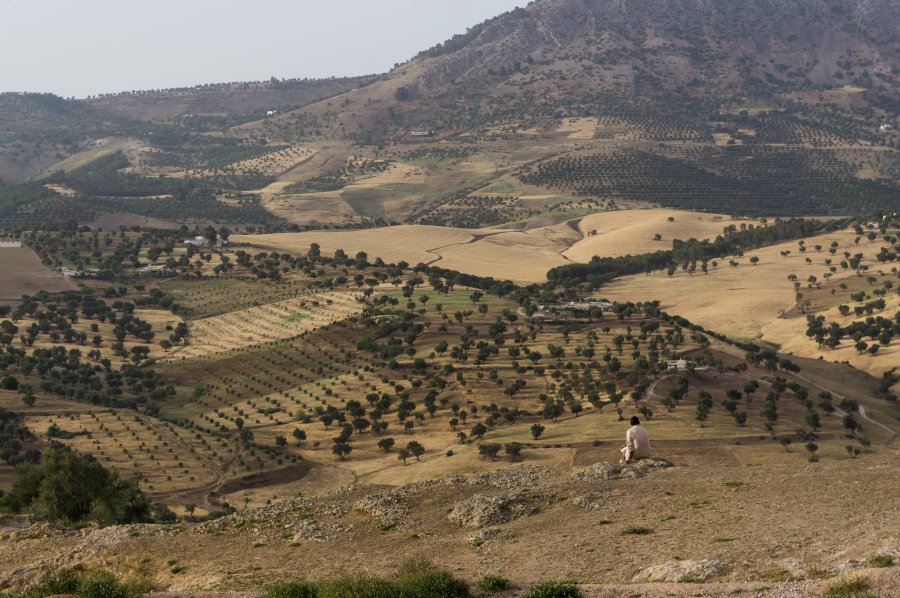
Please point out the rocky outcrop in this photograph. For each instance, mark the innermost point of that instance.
(482, 511)
(680, 571)
(619, 471)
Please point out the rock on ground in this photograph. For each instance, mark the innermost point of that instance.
(617, 471)
(680, 571)
(483, 511)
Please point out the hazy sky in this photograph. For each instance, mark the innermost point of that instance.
(83, 47)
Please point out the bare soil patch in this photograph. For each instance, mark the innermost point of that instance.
(22, 273)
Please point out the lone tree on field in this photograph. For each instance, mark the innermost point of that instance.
(299, 434)
(812, 447)
(537, 430)
(341, 449)
(415, 449)
(514, 450)
(489, 451)
(386, 444)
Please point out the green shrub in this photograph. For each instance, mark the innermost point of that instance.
(292, 589)
(881, 560)
(554, 589)
(64, 582)
(100, 585)
(414, 580)
(494, 583)
(851, 588)
(637, 530)
(419, 578)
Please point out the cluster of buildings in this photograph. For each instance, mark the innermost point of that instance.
(201, 241)
(602, 306)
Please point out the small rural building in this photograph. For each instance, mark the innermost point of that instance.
(601, 306)
(10, 244)
(198, 241)
(72, 273)
(677, 364)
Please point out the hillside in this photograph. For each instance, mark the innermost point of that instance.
(677, 58)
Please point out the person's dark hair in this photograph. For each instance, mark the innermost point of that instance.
(634, 420)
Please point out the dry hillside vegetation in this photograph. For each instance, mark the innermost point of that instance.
(742, 299)
(473, 524)
(786, 332)
(521, 256)
(578, 128)
(165, 457)
(347, 409)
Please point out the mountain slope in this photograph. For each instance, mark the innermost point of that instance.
(566, 57)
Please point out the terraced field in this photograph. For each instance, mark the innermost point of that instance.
(266, 323)
(275, 163)
(165, 456)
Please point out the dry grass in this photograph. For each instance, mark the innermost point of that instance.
(631, 232)
(519, 256)
(410, 243)
(788, 334)
(522, 256)
(743, 300)
(578, 128)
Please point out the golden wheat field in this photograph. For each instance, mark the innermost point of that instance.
(632, 232)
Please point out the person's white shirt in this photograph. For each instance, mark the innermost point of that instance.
(637, 443)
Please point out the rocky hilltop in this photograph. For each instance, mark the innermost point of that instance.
(651, 528)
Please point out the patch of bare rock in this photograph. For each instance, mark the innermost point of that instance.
(619, 471)
(680, 571)
(482, 511)
(299, 518)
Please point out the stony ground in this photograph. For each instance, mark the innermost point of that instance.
(740, 519)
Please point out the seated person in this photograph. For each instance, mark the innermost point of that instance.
(637, 442)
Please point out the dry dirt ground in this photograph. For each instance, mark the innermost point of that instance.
(757, 515)
(22, 273)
